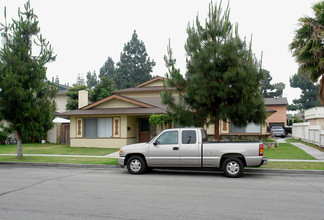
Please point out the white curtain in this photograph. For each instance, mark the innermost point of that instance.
(104, 127)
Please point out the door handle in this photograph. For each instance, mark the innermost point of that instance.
(175, 148)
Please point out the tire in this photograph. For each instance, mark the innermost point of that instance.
(233, 167)
(136, 165)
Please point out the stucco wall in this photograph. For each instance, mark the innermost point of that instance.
(317, 121)
(99, 142)
(279, 116)
(117, 104)
(61, 101)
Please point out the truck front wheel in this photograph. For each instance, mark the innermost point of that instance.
(136, 165)
(233, 167)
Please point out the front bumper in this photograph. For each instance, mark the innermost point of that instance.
(121, 161)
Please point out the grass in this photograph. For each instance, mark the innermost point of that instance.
(284, 151)
(308, 144)
(72, 160)
(287, 151)
(294, 165)
(56, 149)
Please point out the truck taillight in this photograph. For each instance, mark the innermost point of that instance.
(261, 149)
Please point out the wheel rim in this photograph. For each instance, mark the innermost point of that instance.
(233, 167)
(135, 165)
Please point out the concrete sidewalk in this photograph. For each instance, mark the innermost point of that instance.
(112, 155)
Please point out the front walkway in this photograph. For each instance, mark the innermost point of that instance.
(319, 155)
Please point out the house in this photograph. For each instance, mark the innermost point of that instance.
(61, 98)
(123, 118)
(61, 129)
(279, 105)
(311, 131)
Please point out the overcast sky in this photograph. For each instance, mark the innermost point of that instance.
(84, 33)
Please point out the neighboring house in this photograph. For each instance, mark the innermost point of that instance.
(61, 98)
(123, 118)
(315, 116)
(279, 105)
(60, 133)
(311, 131)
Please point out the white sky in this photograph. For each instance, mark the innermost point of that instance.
(85, 32)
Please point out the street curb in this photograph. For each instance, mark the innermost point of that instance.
(106, 166)
(284, 171)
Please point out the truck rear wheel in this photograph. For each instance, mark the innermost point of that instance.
(233, 167)
(136, 165)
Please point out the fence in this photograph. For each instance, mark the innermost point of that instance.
(307, 133)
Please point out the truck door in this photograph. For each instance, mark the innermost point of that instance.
(189, 149)
(164, 151)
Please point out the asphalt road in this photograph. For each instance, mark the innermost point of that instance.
(96, 193)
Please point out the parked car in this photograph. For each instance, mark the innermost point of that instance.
(186, 147)
(278, 131)
(288, 129)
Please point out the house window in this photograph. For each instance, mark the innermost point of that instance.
(250, 128)
(97, 127)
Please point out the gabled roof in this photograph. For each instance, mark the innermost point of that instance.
(118, 97)
(275, 101)
(150, 81)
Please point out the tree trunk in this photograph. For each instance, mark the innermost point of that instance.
(19, 148)
(321, 90)
(216, 129)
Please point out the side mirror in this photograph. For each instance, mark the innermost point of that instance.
(155, 143)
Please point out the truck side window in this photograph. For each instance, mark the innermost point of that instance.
(188, 137)
(169, 137)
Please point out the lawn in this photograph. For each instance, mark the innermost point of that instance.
(56, 149)
(294, 165)
(284, 151)
(292, 140)
(287, 151)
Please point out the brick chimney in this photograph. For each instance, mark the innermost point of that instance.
(83, 98)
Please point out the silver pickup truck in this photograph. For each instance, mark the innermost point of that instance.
(186, 147)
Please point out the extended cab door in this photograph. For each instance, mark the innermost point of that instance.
(189, 148)
(164, 151)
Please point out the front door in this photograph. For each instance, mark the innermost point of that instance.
(144, 133)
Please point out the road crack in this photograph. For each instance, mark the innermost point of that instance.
(34, 184)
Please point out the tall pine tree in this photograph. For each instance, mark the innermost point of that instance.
(134, 66)
(222, 79)
(26, 96)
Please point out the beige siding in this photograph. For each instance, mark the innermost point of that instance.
(61, 101)
(99, 142)
(155, 83)
(131, 127)
(115, 103)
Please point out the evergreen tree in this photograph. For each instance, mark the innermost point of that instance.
(269, 90)
(80, 80)
(102, 89)
(308, 47)
(222, 79)
(92, 80)
(72, 93)
(309, 91)
(134, 66)
(57, 80)
(108, 69)
(26, 96)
